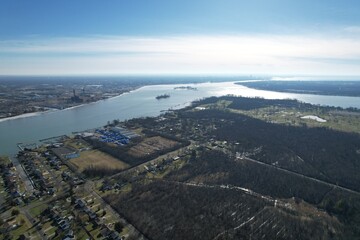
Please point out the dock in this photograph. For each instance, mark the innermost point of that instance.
(52, 139)
(22, 146)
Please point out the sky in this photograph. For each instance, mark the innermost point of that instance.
(224, 37)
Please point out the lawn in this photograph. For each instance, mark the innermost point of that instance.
(23, 228)
(36, 211)
(97, 158)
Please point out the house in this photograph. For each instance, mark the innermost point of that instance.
(105, 231)
(80, 202)
(69, 235)
(106, 187)
(18, 201)
(114, 236)
(92, 215)
(64, 224)
(66, 153)
(109, 234)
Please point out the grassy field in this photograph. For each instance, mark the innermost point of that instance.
(151, 145)
(4, 160)
(96, 158)
(76, 143)
(341, 120)
(23, 227)
(36, 211)
(335, 120)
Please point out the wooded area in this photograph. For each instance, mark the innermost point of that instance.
(298, 166)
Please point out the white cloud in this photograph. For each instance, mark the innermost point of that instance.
(182, 54)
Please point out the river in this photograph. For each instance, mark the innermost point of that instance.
(138, 103)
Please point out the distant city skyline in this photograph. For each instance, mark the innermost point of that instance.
(180, 37)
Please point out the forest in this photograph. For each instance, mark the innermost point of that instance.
(317, 152)
(169, 210)
(301, 167)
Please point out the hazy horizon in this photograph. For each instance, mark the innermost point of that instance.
(225, 77)
(180, 37)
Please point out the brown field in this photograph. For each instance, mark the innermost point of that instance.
(76, 143)
(151, 145)
(96, 158)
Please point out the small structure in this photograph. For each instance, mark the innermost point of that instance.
(65, 153)
(125, 132)
(80, 202)
(75, 98)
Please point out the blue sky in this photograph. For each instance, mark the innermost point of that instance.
(319, 37)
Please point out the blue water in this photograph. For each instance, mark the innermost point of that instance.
(139, 103)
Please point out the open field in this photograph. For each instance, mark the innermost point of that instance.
(151, 145)
(288, 112)
(334, 120)
(341, 120)
(96, 158)
(76, 143)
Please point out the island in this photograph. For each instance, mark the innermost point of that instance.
(162, 96)
(186, 88)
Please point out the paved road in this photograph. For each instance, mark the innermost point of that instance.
(89, 187)
(141, 166)
(25, 210)
(40, 232)
(19, 168)
(54, 177)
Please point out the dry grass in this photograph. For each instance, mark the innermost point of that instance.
(96, 158)
(76, 143)
(151, 145)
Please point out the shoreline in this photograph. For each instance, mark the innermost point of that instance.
(220, 89)
(34, 114)
(236, 82)
(26, 115)
(296, 91)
